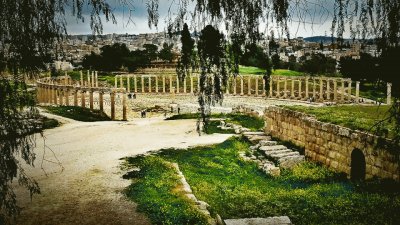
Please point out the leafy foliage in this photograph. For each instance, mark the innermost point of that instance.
(19, 120)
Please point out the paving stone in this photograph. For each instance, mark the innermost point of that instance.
(278, 220)
(290, 161)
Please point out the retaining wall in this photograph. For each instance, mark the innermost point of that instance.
(331, 144)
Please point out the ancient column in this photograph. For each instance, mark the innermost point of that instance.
(191, 84)
(271, 82)
(198, 83)
(163, 83)
(135, 83)
(150, 84)
(342, 96)
(263, 87)
(121, 82)
(170, 84)
(285, 88)
(116, 82)
(156, 84)
(177, 84)
(389, 94)
(241, 86)
(357, 91)
(83, 103)
(91, 99)
(67, 96)
(234, 86)
(55, 95)
(88, 77)
(81, 78)
(96, 79)
(124, 117)
(249, 85)
(93, 81)
(184, 85)
(292, 92)
(101, 99)
(256, 86)
(75, 97)
(328, 91)
(307, 90)
(278, 91)
(335, 92)
(300, 91)
(142, 81)
(112, 97)
(128, 84)
(48, 95)
(321, 89)
(314, 89)
(349, 90)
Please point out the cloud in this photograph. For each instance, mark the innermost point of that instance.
(316, 15)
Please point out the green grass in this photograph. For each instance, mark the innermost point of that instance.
(258, 71)
(156, 192)
(282, 72)
(251, 70)
(370, 91)
(308, 194)
(78, 113)
(356, 117)
(251, 122)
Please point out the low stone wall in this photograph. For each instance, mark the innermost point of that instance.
(330, 144)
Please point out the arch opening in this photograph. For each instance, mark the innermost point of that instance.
(357, 165)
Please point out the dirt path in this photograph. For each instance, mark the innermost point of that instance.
(87, 189)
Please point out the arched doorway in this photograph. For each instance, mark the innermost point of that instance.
(357, 165)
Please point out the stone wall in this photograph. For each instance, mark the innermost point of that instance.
(330, 144)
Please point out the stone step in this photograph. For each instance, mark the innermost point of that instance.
(273, 148)
(278, 156)
(290, 161)
(277, 220)
(275, 152)
(257, 138)
(268, 143)
(254, 133)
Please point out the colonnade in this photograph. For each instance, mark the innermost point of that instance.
(62, 90)
(318, 89)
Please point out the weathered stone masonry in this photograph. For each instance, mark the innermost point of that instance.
(331, 144)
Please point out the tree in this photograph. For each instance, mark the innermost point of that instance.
(213, 71)
(185, 62)
(151, 51)
(166, 53)
(276, 61)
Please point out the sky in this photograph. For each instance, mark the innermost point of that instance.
(140, 25)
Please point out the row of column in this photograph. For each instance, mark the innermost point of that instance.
(319, 89)
(60, 95)
(92, 79)
(301, 88)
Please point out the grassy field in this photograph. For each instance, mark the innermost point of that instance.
(352, 116)
(258, 71)
(78, 113)
(308, 194)
(251, 70)
(251, 122)
(281, 72)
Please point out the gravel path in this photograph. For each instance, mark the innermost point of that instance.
(86, 188)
